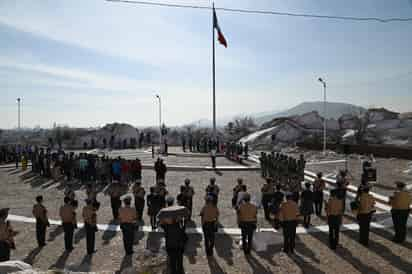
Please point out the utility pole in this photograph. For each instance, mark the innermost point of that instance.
(324, 114)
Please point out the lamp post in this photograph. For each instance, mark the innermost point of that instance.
(160, 121)
(324, 113)
(18, 113)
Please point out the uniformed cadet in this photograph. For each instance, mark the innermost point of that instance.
(127, 217)
(268, 190)
(288, 215)
(247, 218)
(90, 224)
(400, 202)
(236, 191)
(67, 215)
(115, 193)
(210, 215)
(139, 194)
(188, 193)
(365, 211)
(334, 213)
(42, 221)
(213, 190)
(6, 236)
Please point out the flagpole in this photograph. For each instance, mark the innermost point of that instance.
(213, 73)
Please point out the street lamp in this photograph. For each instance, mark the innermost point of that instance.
(324, 113)
(160, 121)
(18, 113)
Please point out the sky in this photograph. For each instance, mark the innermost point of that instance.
(88, 63)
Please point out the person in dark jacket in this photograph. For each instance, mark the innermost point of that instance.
(154, 204)
(175, 241)
(306, 205)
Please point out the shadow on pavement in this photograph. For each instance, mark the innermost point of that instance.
(193, 243)
(61, 261)
(256, 265)
(384, 252)
(54, 233)
(224, 247)
(32, 255)
(214, 266)
(126, 263)
(108, 235)
(344, 253)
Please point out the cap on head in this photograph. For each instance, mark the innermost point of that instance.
(240, 180)
(39, 198)
(400, 184)
(127, 200)
(4, 212)
(213, 179)
(187, 181)
(170, 200)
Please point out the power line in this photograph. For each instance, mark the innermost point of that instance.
(267, 12)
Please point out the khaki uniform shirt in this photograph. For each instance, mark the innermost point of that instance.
(67, 214)
(6, 232)
(209, 213)
(127, 215)
(115, 191)
(40, 212)
(89, 215)
(366, 203)
(334, 207)
(138, 191)
(247, 212)
(401, 200)
(289, 211)
(267, 189)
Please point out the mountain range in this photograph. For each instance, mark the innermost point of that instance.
(333, 110)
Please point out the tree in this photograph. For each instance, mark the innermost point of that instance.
(240, 127)
(104, 142)
(112, 140)
(361, 128)
(92, 143)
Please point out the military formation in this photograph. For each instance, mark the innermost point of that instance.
(285, 197)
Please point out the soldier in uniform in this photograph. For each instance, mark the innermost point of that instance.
(267, 195)
(115, 192)
(334, 214)
(67, 215)
(236, 191)
(288, 215)
(247, 218)
(263, 166)
(210, 215)
(42, 222)
(6, 236)
(127, 217)
(318, 187)
(400, 202)
(154, 204)
(365, 211)
(213, 190)
(90, 223)
(188, 193)
(139, 193)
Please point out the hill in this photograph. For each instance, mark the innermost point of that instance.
(333, 110)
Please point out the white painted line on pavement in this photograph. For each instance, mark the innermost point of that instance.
(229, 231)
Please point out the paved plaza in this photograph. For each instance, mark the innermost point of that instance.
(18, 190)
